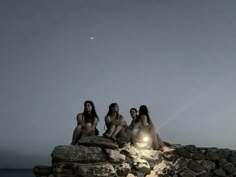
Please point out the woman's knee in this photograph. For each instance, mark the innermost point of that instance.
(88, 126)
(78, 127)
(112, 126)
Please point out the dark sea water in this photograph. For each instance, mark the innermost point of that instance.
(16, 173)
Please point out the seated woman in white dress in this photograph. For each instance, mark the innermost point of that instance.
(144, 126)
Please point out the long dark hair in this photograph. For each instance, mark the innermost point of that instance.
(143, 110)
(131, 109)
(93, 114)
(111, 106)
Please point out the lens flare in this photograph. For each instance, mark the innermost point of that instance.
(145, 139)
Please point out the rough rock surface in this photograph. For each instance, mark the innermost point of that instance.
(100, 157)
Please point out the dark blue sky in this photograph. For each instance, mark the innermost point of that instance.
(177, 57)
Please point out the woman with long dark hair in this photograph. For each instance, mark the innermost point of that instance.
(143, 124)
(134, 115)
(114, 122)
(86, 122)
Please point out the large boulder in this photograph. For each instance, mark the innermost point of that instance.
(98, 141)
(42, 170)
(70, 153)
(101, 157)
(95, 170)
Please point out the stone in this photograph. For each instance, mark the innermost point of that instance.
(42, 170)
(62, 175)
(98, 141)
(213, 149)
(183, 152)
(141, 165)
(229, 169)
(95, 170)
(211, 155)
(130, 151)
(163, 168)
(171, 156)
(123, 140)
(220, 172)
(151, 175)
(191, 148)
(123, 169)
(71, 153)
(64, 165)
(140, 174)
(114, 156)
(222, 162)
(232, 158)
(151, 155)
(101, 157)
(58, 170)
(180, 163)
(205, 174)
(224, 153)
(176, 146)
(186, 173)
(130, 175)
(195, 166)
(208, 165)
(198, 156)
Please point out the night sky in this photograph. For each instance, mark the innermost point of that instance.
(176, 57)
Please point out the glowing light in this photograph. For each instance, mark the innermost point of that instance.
(145, 139)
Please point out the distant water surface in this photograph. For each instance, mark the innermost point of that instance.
(16, 173)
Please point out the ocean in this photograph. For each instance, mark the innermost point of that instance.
(16, 173)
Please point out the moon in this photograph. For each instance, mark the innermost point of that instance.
(91, 38)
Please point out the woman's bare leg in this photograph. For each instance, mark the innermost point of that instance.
(87, 130)
(76, 134)
(123, 132)
(110, 131)
(156, 141)
(162, 144)
(116, 131)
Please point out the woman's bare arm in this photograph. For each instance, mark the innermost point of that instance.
(107, 121)
(122, 121)
(95, 122)
(79, 119)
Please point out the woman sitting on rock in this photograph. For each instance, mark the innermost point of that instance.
(144, 126)
(86, 122)
(134, 115)
(114, 122)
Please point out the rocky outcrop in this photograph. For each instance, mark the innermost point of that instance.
(100, 157)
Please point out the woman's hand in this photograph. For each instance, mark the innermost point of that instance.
(117, 122)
